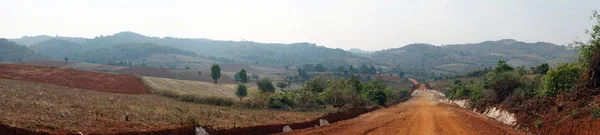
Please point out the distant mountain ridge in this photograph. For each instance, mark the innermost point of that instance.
(12, 52)
(459, 58)
(445, 59)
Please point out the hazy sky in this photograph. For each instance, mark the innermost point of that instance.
(365, 24)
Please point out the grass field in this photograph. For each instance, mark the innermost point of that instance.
(56, 109)
(195, 88)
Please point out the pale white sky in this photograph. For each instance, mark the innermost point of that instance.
(365, 24)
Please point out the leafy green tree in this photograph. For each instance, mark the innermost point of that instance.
(215, 72)
(542, 69)
(560, 78)
(502, 66)
(282, 85)
(254, 76)
(242, 91)
(364, 69)
(66, 60)
(243, 76)
(316, 84)
(401, 74)
(265, 85)
(352, 70)
(236, 77)
(319, 68)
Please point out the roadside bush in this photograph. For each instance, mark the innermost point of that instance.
(282, 100)
(503, 83)
(378, 96)
(560, 78)
(525, 92)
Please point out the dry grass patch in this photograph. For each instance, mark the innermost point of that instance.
(37, 106)
(192, 88)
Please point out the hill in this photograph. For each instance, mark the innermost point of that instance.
(31, 40)
(12, 52)
(245, 52)
(58, 49)
(461, 58)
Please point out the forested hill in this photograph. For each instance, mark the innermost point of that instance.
(12, 52)
(271, 54)
(467, 57)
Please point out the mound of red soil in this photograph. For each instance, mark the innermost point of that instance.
(115, 83)
(48, 63)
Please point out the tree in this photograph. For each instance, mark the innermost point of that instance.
(401, 74)
(199, 73)
(282, 85)
(66, 60)
(319, 68)
(265, 85)
(215, 72)
(372, 69)
(243, 76)
(242, 91)
(351, 69)
(542, 69)
(254, 76)
(364, 69)
(340, 69)
(236, 77)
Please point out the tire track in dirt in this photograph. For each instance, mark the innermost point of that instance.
(422, 115)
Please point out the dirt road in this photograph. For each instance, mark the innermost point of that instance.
(421, 115)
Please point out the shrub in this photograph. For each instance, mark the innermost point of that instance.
(241, 91)
(404, 93)
(282, 100)
(378, 96)
(559, 78)
(503, 83)
(265, 85)
(220, 101)
(596, 112)
(317, 84)
(574, 114)
(538, 124)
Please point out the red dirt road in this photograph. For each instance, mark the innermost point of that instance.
(115, 83)
(421, 115)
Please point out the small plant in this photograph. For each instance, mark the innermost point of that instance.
(574, 114)
(538, 124)
(596, 112)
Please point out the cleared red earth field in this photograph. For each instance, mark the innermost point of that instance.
(116, 83)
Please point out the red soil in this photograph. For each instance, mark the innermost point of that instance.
(115, 83)
(48, 63)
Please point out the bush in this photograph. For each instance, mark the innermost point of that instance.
(559, 78)
(596, 112)
(379, 97)
(282, 100)
(241, 91)
(220, 101)
(503, 84)
(265, 85)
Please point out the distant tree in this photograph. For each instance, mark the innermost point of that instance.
(236, 77)
(352, 70)
(265, 85)
(364, 69)
(243, 76)
(542, 69)
(319, 68)
(187, 67)
(254, 76)
(281, 85)
(215, 72)
(372, 69)
(199, 73)
(401, 74)
(66, 60)
(340, 69)
(242, 91)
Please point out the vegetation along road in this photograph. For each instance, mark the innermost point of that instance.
(421, 115)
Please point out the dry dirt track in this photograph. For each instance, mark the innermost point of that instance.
(421, 115)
